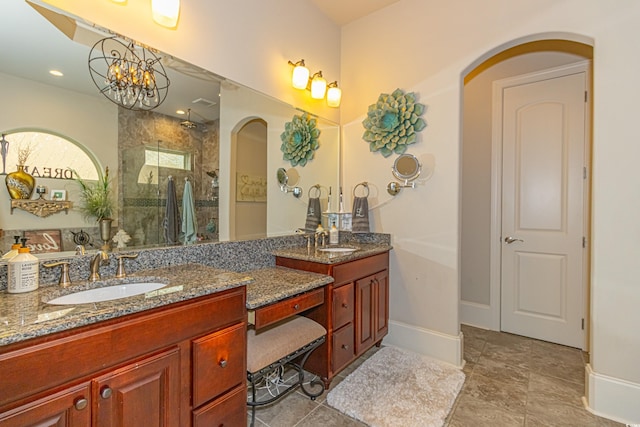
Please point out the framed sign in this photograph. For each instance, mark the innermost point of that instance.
(43, 241)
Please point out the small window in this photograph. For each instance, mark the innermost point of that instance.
(167, 158)
(51, 156)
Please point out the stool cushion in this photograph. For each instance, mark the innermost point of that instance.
(268, 345)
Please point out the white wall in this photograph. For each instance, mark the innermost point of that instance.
(427, 47)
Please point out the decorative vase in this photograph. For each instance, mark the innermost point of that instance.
(105, 230)
(20, 184)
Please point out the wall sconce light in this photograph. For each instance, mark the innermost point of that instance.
(316, 84)
(166, 12)
(300, 76)
(334, 95)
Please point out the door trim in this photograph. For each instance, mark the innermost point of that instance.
(496, 184)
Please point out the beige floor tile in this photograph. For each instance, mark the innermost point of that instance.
(507, 395)
(549, 389)
(324, 416)
(514, 354)
(286, 412)
(501, 371)
(474, 412)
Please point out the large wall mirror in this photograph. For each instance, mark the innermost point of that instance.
(227, 144)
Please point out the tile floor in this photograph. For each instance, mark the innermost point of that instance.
(511, 381)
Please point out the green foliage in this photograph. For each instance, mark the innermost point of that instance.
(95, 198)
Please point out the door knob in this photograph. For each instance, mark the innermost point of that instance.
(510, 240)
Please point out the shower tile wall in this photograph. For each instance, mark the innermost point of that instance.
(142, 189)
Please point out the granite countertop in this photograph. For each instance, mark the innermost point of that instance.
(312, 254)
(277, 283)
(24, 316)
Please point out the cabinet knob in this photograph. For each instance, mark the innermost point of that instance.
(222, 363)
(80, 403)
(345, 346)
(345, 305)
(297, 306)
(106, 392)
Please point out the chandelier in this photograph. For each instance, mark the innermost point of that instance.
(131, 76)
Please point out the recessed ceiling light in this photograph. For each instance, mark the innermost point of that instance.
(181, 112)
(56, 73)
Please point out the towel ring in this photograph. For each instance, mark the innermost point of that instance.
(314, 187)
(364, 184)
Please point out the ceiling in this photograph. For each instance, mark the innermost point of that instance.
(345, 11)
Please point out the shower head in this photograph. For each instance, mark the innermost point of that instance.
(188, 124)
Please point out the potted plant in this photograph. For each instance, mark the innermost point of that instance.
(96, 202)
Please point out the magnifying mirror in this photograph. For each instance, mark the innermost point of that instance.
(406, 168)
(287, 180)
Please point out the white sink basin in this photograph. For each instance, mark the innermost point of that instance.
(338, 250)
(106, 293)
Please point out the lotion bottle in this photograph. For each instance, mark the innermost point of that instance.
(14, 249)
(334, 235)
(23, 271)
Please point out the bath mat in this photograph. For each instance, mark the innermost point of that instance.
(397, 388)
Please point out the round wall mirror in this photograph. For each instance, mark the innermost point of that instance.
(406, 167)
(283, 179)
(287, 180)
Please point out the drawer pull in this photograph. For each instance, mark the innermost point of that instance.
(345, 305)
(296, 307)
(345, 346)
(222, 363)
(106, 392)
(80, 403)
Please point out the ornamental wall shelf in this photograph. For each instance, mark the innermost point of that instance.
(393, 122)
(300, 139)
(41, 207)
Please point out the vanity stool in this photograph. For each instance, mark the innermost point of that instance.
(275, 346)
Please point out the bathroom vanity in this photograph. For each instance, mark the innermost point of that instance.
(153, 366)
(355, 312)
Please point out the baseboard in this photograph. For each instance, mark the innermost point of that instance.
(447, 348)
(475, 314)
(612, 398)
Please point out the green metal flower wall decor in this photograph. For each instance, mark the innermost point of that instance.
(300, 139)
(392, 122)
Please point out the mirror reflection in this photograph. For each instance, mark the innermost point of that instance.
(226, 142)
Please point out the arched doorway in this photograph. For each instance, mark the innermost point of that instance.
(481, 247)
(248, 219)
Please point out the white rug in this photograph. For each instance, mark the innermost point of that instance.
(397, 388)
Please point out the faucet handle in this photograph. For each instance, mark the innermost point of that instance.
(120, 273)
(64, 280)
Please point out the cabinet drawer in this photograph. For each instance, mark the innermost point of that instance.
(343, 351)
(343, 299)
(354, 270)
(229, 410)
(219, 363)
(273, 313)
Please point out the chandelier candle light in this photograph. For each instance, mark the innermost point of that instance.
(128, 75)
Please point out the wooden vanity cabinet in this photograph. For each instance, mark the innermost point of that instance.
(166, 367)
(355, 312)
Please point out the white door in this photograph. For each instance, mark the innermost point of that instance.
(543, 181)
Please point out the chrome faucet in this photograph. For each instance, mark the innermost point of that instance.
(101, 258)
(79, 249)
(320, 235)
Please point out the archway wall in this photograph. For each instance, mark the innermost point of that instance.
(428, 47)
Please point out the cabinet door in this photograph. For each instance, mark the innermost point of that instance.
(68, 408)
(381, 311)
(372, 310)
(144, 393)
(365, 307)
(228, 410)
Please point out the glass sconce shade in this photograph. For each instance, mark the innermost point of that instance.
(334, 95)
(300, 77)
(318, 86)
(166, 12)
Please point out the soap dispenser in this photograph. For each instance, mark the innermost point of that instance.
(23, 271)
(334, 235)
(14, 249)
